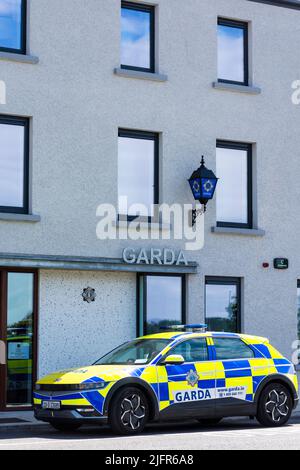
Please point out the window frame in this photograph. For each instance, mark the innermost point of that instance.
(23, 33)
(227, 281)
(151, 10)
(248, 148)
(25, 123)
(143, 135)
(235, 358)
(141, 300)
(3, 327)
(245, 27)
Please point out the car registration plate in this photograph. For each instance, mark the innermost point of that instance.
(51, 405)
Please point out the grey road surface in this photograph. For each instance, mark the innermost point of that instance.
(230, 434)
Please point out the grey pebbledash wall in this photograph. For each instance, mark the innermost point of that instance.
(77, 103)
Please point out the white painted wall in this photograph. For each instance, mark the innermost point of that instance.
(77, 104)
(73, 333)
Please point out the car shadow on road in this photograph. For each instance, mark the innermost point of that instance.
(155, 429)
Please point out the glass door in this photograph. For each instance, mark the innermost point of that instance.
(18, 324)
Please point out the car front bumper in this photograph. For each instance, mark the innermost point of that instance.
(68, 415)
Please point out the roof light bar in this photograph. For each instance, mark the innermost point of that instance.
(192, 327)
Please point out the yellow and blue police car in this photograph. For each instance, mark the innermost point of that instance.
(173, 375)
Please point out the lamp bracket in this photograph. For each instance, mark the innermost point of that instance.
(196, 213)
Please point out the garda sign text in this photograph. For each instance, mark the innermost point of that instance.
(166, 257)
(239, 393)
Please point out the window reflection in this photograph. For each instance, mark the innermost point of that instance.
(11, 24)
(222, 308)
(232, 190)
(19, 338)
(136, 180)
(11, 165)
(135, 38)
(231, 55)
(161, 302)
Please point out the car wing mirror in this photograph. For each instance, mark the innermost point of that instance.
(175, 359)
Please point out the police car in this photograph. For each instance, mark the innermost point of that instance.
(187, 373)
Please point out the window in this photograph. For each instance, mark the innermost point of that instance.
(232, 348)
(234, 191)
(13, 26)
(14, 150)
(161, 301)
(223, 304)
(135, 352)
(233, 52)
(137, 38)
(194, 350)
(18, 322)
(138, 173)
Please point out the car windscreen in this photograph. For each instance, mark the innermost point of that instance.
(138, 352)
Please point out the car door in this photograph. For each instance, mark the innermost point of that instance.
(187, 390)
(234, 381)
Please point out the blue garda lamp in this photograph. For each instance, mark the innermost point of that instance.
(203, 183)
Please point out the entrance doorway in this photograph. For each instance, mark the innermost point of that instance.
(18, 327)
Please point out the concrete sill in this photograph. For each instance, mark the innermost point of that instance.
(123, 224)
(19, 217)
(24, 59)
(238, 231)
(250, 90)
(156, 77)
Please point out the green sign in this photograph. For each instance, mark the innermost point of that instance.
(281, 263)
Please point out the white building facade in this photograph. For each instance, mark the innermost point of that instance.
(102, 99)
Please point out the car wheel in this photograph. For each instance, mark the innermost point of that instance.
(275, 405)
(129, 411)
(65, 427)
(210, 422)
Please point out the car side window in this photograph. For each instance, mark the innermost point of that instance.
(232, 348)
(193, 350)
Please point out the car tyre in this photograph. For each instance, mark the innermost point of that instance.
(210, 422)
(128, 412)
(65, 427)
(275, 405)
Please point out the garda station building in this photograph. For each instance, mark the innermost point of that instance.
(103, 102)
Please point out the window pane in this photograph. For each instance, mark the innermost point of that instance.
(232, 349)
(231, 53)
(163, 302)
(11, 165)
(136, 175)
(194, 350)
(222, 307)
(135, 352)
(232, 189)
(135, 38)
(10, 24)
(19, 338)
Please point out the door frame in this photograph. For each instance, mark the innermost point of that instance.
(3, 330)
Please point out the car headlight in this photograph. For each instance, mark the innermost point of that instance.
(92, 386)
(37, 387)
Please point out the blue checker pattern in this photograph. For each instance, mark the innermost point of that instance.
(163, 391)
(95, 399)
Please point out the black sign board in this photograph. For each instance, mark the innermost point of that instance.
(281, 263)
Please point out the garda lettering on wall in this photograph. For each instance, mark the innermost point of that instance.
(156, 256)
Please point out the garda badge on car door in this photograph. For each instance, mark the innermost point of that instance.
(192, 378)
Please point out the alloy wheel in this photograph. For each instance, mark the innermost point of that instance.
(277, 406)
(132, 412)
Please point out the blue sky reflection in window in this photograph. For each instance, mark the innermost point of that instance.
(10, 24)
(135, 43)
